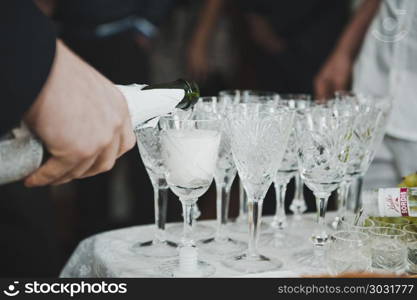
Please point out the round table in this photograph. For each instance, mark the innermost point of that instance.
(109, 254)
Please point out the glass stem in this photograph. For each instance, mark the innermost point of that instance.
(222, 203)
(160, 207)
(298, 205)
(196, 212)
(342, 197)
(280, 218)
(299, 187)
(254, 218)
(358, 196)
(321, 202)
(243, 202)
(188, 210)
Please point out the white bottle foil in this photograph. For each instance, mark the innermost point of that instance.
(21, 152)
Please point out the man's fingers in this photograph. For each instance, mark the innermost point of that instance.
(54, 169)
(127, 140)
(105, 161)
(76, 172)
(321, 90)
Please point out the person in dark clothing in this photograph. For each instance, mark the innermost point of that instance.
(292, 39)
(287, 43)
(79, 115)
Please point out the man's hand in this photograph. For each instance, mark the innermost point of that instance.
(334, 76)
(82, 119)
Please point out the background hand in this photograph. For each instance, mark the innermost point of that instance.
(335, 75)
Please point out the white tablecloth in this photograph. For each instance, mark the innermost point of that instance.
(109, 254)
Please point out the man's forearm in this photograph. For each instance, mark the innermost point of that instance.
(352, 38)
(208, 19)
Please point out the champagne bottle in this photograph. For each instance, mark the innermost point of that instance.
(21, 152)
(192, 92)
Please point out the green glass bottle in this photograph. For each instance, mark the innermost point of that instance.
(192, 92)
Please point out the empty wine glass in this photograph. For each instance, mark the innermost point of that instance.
(221, 244)
(348, 251)
(231, 98)
(277, 236)
(323, 141)
(384, 104)
(148, 139)
(365, 129)
(189, 152)
(288, 169)
(298, 102)
(388, 249)
(259, 137)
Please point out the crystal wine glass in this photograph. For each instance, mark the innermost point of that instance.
(201, 231)
(221, 244)
(287, 170)
(259, 136)
(323, 141)
(232, 98)
(298, 102)
(148, 139)
(365, 129)
(189, 152)
(384, 104)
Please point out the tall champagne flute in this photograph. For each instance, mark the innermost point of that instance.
(189, 152)
(148, 139)
(323, 141)
(221, 244)
(259, 137)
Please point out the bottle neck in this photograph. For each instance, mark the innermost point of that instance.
(191, 91)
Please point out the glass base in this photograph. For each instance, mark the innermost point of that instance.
(312, 261)
(279, 240)
(151, 249)
(298, 207)
(252, 264)
(335, 223)
(200, 232)
(224, 247)
(172, 268)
